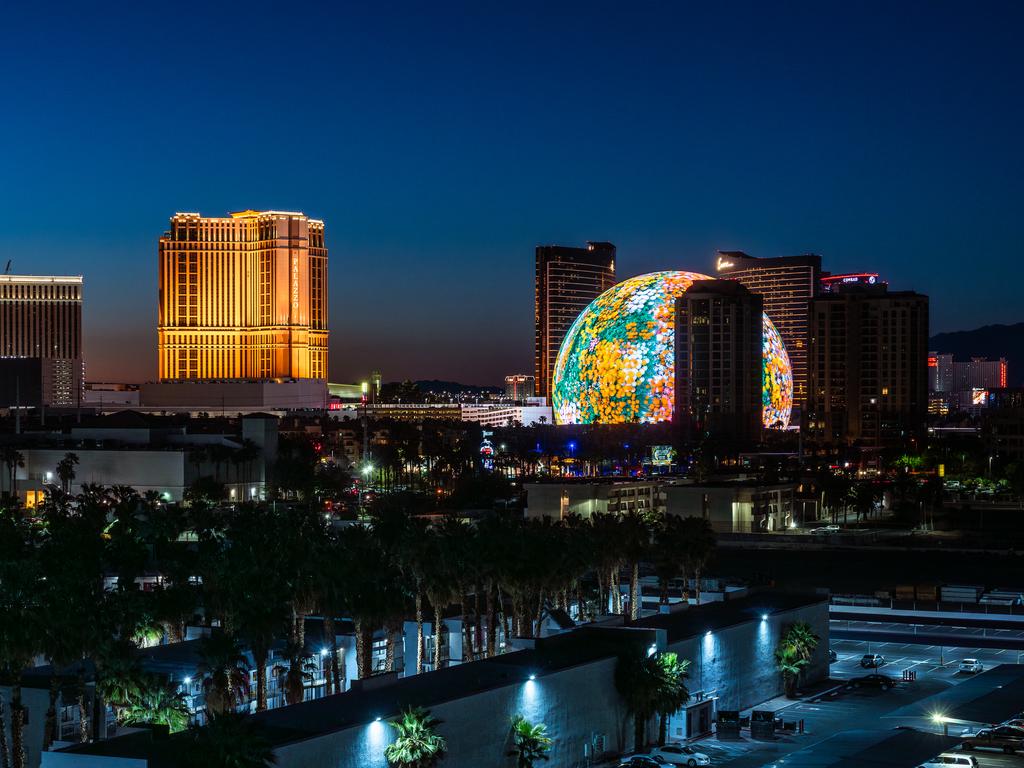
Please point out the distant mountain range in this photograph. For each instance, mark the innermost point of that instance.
(991, 341)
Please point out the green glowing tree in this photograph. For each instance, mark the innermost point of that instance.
(417, 744)
(530, 742)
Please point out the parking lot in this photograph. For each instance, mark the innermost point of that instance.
(841, 709)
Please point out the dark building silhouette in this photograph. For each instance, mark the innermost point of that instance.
(787, 283)
(567, 279)
(718, 370)
(41, 340)
(868, 374)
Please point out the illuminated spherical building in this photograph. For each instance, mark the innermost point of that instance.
(616, 364)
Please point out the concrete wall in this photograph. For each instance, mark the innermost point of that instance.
(161, 471)
(737, 664)
(575, 705)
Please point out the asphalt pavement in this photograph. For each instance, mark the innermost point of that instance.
(839, 709)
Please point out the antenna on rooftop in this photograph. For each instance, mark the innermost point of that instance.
(7, 269)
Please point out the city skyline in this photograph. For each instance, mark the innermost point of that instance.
(830, 133)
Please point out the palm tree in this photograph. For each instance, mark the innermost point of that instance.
(13, 459)
(700, 546)
(672, 693)
(121, 682)
(790, 664)
(225, 672)
(651, 685)
(416, 745)
(156, 703)
(530, 742)
(635, 541)
(637, 685)
(794, 653)
(66, 470)
(229, 741)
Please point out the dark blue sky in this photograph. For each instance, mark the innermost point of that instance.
(441, 142)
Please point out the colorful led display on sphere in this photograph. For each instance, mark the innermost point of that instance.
(617, 363)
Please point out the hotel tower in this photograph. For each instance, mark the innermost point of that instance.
(566, 280)
(243, 297)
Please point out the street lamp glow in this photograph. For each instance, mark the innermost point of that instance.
(764, 617)
(652, 649)
(532, 678)
(708, 633)
(368, 469)
(324, 651)
(938, 718)
(376, 719)
(187, 681)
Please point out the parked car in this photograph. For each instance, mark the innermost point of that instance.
(971, 666)
(875, 680)
(872, 660)
(680, 754)
(641, 761)
(832, 657)
(951, 758)
(825, 530)
(1016, 722)
(1006, 738)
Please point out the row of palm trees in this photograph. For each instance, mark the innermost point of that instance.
(69, 575)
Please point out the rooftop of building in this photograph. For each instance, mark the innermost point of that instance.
(249, 213)
(42, 279)
(735, 259)
(714, 617)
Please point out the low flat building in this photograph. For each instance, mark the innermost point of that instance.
(149, 454)
(506, 414)
(596, 497)
(737, 506)
(234, 396)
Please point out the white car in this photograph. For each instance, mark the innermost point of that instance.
(680, 754)
(951, 758)
(971, 666)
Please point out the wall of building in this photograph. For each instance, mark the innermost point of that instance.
(161, 471)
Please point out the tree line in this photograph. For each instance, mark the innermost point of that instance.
(69, 590)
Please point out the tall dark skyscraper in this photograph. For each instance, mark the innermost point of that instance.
(41, 340)
(787, 283)
(567, 280)
(868, 356)
(718, 360)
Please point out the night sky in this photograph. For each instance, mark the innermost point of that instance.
(441, 142)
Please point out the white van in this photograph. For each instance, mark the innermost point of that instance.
(951, 758)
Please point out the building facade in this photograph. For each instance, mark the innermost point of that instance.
(868, 365)
(243, 297)
(787, 284)
(566, 281)
(520, 386)
(41, 340)
(718, 360)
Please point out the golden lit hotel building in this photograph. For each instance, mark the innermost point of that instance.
(243, 297)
